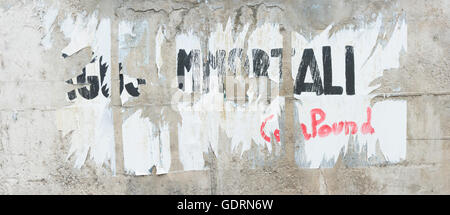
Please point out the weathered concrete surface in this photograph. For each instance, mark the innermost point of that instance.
(34, 150)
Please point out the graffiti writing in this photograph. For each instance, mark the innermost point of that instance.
(97, 80)
(318, 116)
(191, 63)
(309, 60)
(276, 133)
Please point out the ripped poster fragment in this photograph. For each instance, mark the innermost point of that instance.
(88, 119)
(227, 95)
(146, 143)
(332, 75)
(223, 102)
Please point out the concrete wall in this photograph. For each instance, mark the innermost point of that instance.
(127, 126)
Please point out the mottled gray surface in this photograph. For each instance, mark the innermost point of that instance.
(32, 87)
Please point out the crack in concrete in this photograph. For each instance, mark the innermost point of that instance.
(324, 181)
(265, 5)
(153, 10)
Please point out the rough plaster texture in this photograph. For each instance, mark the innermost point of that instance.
(33, 151)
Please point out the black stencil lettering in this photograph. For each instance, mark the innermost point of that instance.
(131, 89)
(217, 61)
(93, 59)
(349, 71)
(93, 88)
(234, 54)
(206, 72)
(278, 53)
(103, 69)
(308, 60)
(121, 83)
(183, 61)
(187, 61)
(260, 62)
(141, 81)
(72, 94)
(329, 89)
(93, 81)
(120, 78)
